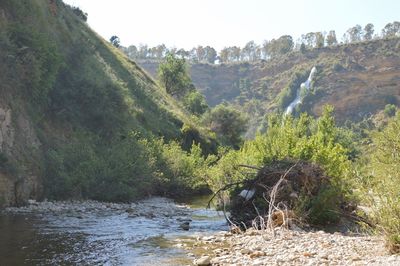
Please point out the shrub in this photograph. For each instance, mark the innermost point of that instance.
(82, 15)
(126, 170)
(380, 184)
(390, 110)
(305, 138)
(195, 103)
(228, 123)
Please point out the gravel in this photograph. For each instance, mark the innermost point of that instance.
(285, 247)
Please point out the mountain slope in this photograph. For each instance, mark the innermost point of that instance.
(358, 79)
(71, 103)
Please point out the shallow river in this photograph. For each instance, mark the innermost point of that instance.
(92, 233)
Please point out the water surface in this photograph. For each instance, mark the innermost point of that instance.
(90, 233)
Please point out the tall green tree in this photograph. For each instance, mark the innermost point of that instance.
(210, 54)
(331, 38)
(228, 123)
(195, 102)
(391, 29)
(353, 34)
(368, 31)
(174, 76)
(319, 40)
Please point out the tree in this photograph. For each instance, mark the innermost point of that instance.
(390, 110)
(281, 46)
(309, 39)
(353, 34)
(143, 51)
(265, 49)
(200, 53)
(82, 15)
(249, 51)
(228, 123)
(302, 48)
(114, 40)
(132, 51)
(210, 54)
(368, 31)
(331, 38)
(235, 53)
(224, 55)
(183, 53)
(174, 76)
(391, 29)
(160, 51)
(195, 102)
(319, 40)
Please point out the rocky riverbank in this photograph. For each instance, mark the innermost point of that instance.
(286, 247)
(156, 207)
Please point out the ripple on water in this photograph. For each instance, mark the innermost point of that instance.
(100, 235)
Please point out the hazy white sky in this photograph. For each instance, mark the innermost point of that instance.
(219, 23)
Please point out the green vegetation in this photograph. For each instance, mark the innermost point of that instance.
(227, 123)
(288, 94)
(305, 138)
(195, 103)
(379, 181)
(93, 125)
(104, 129)
(114, 40)
(390, 110)
(129, 169)
(269, 49)
(174, 76)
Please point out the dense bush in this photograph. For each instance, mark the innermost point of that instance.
(127, 169)
(390, 110)
(305, 138)
(195, 102)
(381, 181)
(228, 123)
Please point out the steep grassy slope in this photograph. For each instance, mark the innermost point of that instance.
(358, 79)
(74, 111)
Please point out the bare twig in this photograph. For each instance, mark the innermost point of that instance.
(223, 189)
(271, 202)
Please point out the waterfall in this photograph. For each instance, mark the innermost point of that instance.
(299, 98)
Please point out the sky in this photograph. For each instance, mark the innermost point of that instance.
(221, 23)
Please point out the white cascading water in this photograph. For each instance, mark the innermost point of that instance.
(299, 97)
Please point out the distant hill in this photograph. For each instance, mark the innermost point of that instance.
(68, 101)
(358, 79)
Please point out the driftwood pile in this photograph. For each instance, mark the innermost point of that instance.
(277, 195)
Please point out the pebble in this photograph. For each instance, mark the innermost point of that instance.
(203, 261)
(297, 248)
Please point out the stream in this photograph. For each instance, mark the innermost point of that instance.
(92, 233)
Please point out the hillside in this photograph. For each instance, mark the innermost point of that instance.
(358, 79)
(75, 113)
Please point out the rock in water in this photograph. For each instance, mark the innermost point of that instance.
(203, 261)
(185, 226)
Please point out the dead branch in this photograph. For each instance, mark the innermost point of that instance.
(223, 189)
